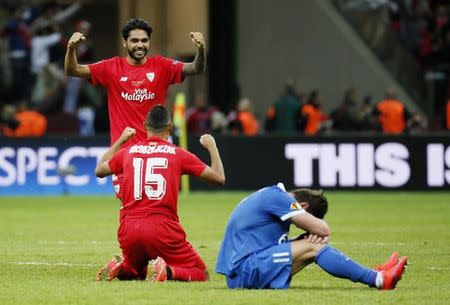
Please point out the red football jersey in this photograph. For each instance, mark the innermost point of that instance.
(151, 171)
(134, 90)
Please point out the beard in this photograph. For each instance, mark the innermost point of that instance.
(132, 54)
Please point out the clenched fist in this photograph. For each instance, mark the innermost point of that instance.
(208, 141)
(198, 40)
(75, 40)
(127, 134)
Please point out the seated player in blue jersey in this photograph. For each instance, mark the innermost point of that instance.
(256, 252)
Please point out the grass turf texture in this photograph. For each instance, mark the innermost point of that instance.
(51, 248)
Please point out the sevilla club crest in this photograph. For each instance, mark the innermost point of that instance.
(151, 76)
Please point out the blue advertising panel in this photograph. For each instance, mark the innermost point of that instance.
(52, 166)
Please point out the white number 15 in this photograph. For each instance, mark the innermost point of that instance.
(155, 184)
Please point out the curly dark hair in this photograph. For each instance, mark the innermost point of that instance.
(318, 203)
(134, 24)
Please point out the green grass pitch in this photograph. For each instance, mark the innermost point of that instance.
(51, 248)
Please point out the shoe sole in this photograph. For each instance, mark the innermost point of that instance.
(102, 275)
(161, 275)
(397, 277)
(108, 274)
(403, 270)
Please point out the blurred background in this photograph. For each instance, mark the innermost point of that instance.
(289, 70)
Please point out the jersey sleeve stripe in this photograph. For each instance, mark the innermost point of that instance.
(281, 260)
(280, 254)
(292, 214)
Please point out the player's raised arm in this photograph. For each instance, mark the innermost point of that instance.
(199, 64)
(71, 66)
(214, 173)
(103, 169)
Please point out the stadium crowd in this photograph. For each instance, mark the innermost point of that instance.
(33, 39)
(416, 34)
(423, 27)
(295, 113)
(36, 98)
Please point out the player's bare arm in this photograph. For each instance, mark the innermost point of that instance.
(316, 227)
(214, 173)
(199, 64)
(71, 66)
(102, 169)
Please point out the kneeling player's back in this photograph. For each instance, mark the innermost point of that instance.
(152, 171)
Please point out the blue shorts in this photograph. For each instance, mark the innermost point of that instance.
(267, 269)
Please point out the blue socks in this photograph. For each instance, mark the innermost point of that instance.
(339, 265)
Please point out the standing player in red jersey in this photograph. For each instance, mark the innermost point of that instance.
(135, 83)
(149, 225)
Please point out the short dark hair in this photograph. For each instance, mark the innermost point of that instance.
(158, 119)
(318, 203)
(134, 24)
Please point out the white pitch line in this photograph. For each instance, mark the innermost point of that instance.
(52, 264)
(438, 268)
(370, 243)
(64, 242)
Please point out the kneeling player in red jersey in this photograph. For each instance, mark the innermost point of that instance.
(149, 226)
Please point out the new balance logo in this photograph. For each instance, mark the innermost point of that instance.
(123, 79)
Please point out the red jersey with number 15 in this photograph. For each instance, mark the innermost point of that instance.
(151, 172)
(134, 90)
